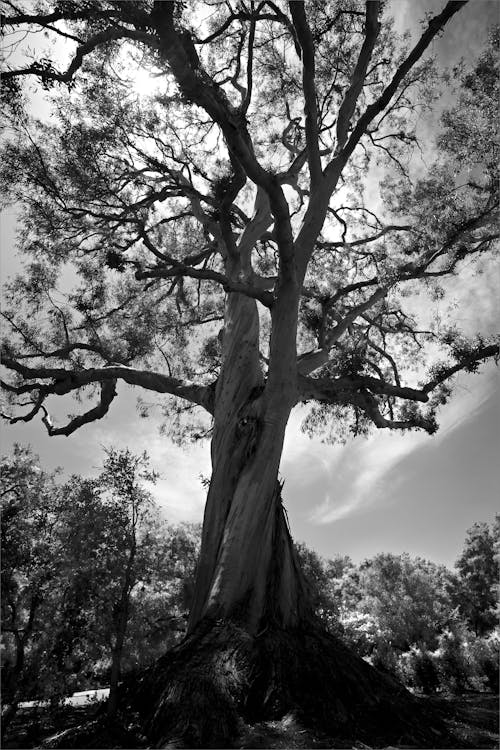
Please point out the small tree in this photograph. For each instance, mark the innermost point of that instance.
(226, 257)
(123, 494)
(478, 569)
(410, 598)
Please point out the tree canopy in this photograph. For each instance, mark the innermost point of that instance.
(244, 171)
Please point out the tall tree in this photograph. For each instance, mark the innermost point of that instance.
(225, 257)
(32, 554)
(122, 479)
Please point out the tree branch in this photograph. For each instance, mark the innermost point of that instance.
(362, 391)
(108, 393)
(467, 362)
(306, 42)
(65, 381)
(47, 72)
(334, 169)
(264, 297)
(346, 111)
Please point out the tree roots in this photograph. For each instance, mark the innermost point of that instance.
(204, 692)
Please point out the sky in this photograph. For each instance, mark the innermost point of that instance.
(391, 492)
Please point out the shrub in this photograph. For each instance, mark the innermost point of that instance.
(454, 663)
(484, 653)
(418, 669)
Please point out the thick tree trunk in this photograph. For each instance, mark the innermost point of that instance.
(247, 558)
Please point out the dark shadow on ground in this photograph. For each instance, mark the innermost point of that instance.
(472, 720)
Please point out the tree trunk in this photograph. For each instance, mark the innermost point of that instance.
(247, 559)
(12, 687)
(122, 618)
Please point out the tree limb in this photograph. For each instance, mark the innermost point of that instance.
(108, 393)
(305, 39)
(65, 381)
(333, 170)
(346, 110)
(264, 297)
(47, 72)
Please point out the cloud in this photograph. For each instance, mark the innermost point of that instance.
(179, 491)
(366, 467)
(344, 480)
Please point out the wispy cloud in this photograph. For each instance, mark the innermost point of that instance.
(344, 480)
(366, 468)
(179, 491)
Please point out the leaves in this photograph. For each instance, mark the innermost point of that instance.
(70, 552)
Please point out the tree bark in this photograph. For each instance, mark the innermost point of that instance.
(122, 618)
(247, 558)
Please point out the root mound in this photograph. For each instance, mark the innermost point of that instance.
(208, 689)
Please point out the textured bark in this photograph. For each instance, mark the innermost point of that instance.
(246, 548)
(209, 689)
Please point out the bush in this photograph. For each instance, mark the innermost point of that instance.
(418, 669)
(484, 653)
(454, 662)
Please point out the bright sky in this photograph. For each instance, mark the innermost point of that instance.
(390, 493)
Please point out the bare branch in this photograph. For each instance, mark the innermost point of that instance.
(108, 393)
(264, 297)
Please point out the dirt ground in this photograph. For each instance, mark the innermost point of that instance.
(472, 719)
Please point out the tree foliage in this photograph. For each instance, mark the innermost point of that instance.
(409, 616)
(235, 173)
(478, 569)
(91, 574)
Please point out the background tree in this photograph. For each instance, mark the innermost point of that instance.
(224, 255)
(411, 598)
(478, 571)
(122, 482)
(92, 578)
(32, 554)
(160, 602)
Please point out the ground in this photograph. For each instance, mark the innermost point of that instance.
(472, 719)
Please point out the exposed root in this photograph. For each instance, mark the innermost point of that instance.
(205, 692)
(191, 697)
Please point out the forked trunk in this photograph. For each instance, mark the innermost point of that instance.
(254, 650)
